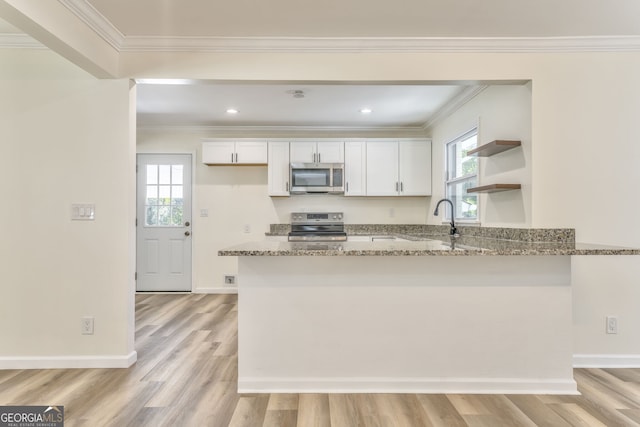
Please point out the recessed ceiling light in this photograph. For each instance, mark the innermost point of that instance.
(232, 111)
(366, 110)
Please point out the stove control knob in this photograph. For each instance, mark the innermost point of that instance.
(339, 216)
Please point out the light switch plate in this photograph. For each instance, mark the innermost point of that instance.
(83, 211)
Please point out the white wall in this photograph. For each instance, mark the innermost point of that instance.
(500, 112)
(583, 146)
(236, 196)
(64, 139)
(584, 150)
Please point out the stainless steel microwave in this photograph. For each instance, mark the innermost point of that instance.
(317, 178)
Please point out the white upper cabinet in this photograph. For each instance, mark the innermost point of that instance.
(330, 152)
(278, 169)
(414, 168)
(355, 168)
(398, 168)
(234, 153)
(382, 168)
(317, 152)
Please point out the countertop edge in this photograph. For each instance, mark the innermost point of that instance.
(402, 252)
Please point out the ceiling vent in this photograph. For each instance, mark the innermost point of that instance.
(297, 93)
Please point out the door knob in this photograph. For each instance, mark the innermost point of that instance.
(186, 233)
(186, 224)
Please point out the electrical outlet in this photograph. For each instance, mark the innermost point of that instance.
(87, 325)
(612, 325)
(229, 279)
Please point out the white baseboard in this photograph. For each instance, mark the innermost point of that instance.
(407, 385)
(606, 360)
(216, 290)
(68, 362)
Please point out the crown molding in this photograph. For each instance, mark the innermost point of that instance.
(382, 44)
(96, 21)
(105, 29)
(276, 129)
(19, 41)
(466, 95)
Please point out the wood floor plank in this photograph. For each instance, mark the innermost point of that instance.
(440, 411)
(187, 370)
(250, 411)
(467, 404)
(632, 414)
(313, 410)
(367, 409)
(283, 402)
(400, 410)
(538, 412)
(501, 407)
(626, 375)
(576, 415)
(343, 410)
(280, 418)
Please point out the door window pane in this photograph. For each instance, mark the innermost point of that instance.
(165, 174)
(164, 198)
(164, 215)
(151, 218)
(164, 194)
(152, 174)
(176, 174)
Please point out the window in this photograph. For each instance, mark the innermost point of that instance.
(462, 173)
(163, 201)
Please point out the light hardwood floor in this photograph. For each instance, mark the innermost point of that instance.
(186, 376)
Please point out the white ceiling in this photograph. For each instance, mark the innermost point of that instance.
(273, 104)
(371, 18)
(176, 22)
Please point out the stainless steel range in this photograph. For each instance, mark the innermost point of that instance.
(317, 227)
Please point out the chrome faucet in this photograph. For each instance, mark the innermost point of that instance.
(453, 231)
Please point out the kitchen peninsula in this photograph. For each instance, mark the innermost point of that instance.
(489, 312)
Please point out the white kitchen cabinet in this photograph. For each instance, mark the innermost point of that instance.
(278, 169)
(234, 153)
(317, 152)
(414, 170)
(382, 168)
(398, 168)
(355, 168)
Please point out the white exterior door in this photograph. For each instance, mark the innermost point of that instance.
(163, 254)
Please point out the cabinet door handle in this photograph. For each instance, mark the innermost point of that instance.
(287, 186)
(347, 187)
(319, 158)
(401, 187)
(396, 186)
(231, 157)
(236, 157)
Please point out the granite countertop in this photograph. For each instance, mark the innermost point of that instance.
(428, 244)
